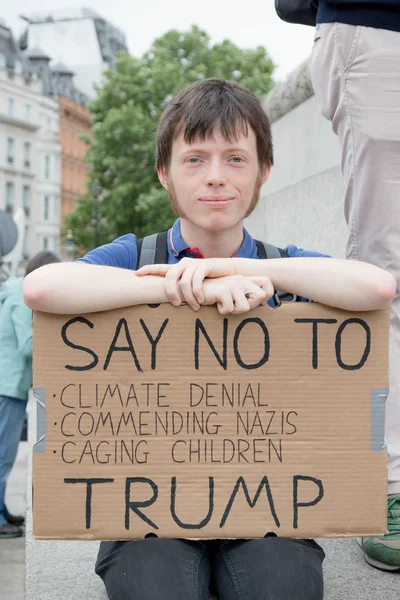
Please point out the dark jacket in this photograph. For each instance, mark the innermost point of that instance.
(369, 13)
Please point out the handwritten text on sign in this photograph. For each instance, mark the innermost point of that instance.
(147, 400)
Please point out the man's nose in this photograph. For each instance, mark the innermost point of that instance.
(215, 174)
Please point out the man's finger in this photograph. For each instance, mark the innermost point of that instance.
(160, 270)
(197, 283)
(225, 303)
(256, 300)
(185, 284)
(255, 295)
(265, 284)
(242, 303)
(172, 287)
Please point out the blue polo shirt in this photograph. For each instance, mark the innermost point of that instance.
(123, 253)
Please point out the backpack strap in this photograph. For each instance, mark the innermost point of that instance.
(152, 250)
(265, 250)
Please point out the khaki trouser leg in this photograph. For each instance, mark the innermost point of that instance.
(356, 78)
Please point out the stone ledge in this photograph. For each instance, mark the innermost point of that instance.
(285, 96)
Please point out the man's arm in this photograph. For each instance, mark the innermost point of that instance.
(70, 288)
(346, 284)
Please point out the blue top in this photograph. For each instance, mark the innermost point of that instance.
(122, 252)
(369, 13)
(15, 341)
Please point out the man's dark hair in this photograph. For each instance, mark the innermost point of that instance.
(198, 108)
(45, 257)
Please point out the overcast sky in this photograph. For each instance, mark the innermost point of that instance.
(248, 23)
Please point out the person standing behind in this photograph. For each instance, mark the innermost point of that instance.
(15, 380)
(356, 77)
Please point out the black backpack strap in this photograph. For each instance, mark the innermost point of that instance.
(265, 250)
(152, 250)
(161, 257)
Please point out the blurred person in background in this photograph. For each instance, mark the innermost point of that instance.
(15, 380)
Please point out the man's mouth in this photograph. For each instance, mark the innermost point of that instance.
(217, 201)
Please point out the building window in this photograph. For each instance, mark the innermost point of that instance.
(26, 199)
(25, 244)
(47, 167)
(27, 154)
(46, 204)
(57, 167)
(45, 243)
(10, 109)
(10, 150)
(9, 197)
(56, 206)
(27, 112)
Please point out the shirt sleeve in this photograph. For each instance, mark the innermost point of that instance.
(121, 253)
(295, 252)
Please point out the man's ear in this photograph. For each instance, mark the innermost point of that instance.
(163, 177)
(266, 171)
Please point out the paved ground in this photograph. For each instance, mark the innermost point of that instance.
(63, 564)
(12, 552)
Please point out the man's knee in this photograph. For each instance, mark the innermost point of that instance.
(290, 568)
(152, 568)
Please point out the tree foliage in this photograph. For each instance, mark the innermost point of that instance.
(124, 118)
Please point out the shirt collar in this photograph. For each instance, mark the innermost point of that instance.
(176, 243)
(179, 248)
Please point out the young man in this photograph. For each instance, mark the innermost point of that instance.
(356, 78)
(214, 151)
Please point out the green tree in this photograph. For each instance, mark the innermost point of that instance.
(124, 118)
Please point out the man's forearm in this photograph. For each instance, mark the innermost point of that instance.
(346, 284)
(69, 288)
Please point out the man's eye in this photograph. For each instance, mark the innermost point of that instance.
(193, 160)
(237, 159)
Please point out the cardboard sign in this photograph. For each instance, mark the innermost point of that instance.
(156, 419)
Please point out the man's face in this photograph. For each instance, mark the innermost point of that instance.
(214, 183)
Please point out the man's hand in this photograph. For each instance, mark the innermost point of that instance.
(184, 280)
(236, 294)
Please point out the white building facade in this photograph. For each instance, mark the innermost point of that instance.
(29, 157)
(48, 190)
(79, 38)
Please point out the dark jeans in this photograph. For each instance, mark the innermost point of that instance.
(270, 568)
(12, 415)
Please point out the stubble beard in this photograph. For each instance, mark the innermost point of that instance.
(180, 213)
